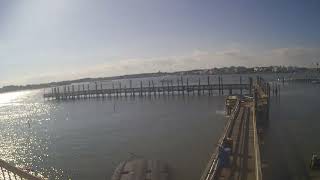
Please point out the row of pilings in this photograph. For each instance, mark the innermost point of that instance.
(167, 88)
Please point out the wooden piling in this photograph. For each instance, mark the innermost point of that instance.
(73, 92)
(159, 91)
(269, 91)
(203, 89)
(199, 85)
(154, 91)
(132, 93)
(222, 89)
(193, 90)
(58, 93)
(241, 85)
(149, 89)
(219, 84)
(209, 92)
(172, 89)
(250, 85)
(113, 89)
(188, 87)
(141, 89)
(96, 88)
(83, 92)
(88, 95)
(120, 90)
(125, 90)
(162, 87)
(178, 87)
(182, 86)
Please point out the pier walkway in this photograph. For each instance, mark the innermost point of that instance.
(237, 156)
(242, 164)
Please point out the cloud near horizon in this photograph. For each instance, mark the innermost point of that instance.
(198, 59)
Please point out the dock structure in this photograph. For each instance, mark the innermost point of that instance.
(10, 172)
(165, 88)
(237, 155)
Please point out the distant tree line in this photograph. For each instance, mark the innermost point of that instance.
(212, 71)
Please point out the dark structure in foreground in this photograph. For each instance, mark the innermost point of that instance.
(140, 169)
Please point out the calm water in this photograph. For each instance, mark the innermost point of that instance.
(86, 139)
(293, 132)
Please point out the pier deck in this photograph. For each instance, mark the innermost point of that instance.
(243, 159)
(237, 156)
(242, 164)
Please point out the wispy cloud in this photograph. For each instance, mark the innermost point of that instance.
(296, 56)
(194, 60)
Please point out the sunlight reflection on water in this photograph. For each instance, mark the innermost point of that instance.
(86, 139)
(23, 126)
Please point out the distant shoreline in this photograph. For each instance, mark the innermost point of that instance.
(214, 71)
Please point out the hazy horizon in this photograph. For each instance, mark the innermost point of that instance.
(93, 77)
(45, 41)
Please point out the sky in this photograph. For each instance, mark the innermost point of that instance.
(45, 40)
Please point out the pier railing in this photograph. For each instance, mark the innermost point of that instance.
(261, 98)
(256, 147)
(7, 171)
(212, 167)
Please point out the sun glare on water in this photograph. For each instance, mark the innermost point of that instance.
(23, 129)
(12, 97)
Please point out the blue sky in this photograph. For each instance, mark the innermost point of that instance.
(43, 41)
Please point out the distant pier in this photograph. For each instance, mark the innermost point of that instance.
(84, 91)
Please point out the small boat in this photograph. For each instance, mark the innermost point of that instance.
(141, 169)
(315, 162)
(315, 82)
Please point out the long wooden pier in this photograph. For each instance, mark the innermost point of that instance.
(237, 155)
(82, 91)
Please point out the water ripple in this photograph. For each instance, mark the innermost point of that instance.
(24, 132)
